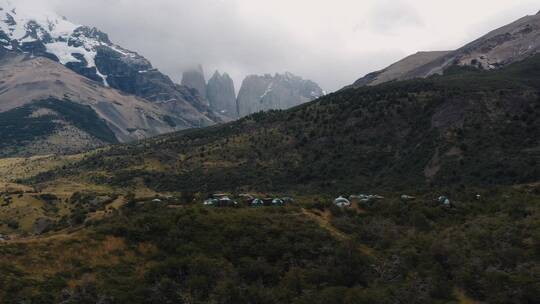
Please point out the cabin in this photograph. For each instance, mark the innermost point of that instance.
(225, 201)
(342, 202)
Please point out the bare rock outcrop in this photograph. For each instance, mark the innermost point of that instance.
(511, 43)
(221, 95)
(194, 79)
(281, 91)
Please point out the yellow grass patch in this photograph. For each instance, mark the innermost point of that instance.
(8, 187)
(109, 209)
(66, 187)
(59, 252)
(21, 168)
(463, 298)
(323, 220)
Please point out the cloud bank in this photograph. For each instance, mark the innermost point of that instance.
(330, 42)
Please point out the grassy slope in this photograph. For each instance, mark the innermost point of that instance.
(21, 168)
(19, 127)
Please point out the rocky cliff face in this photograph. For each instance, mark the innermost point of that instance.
(194, 79)
(511, 43)
(90, 52)
(222, 95)
(281, 91)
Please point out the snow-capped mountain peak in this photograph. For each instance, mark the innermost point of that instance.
(37, 32)
(17, 22)
(40, 31)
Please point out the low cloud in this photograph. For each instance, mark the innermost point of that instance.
(393, 16)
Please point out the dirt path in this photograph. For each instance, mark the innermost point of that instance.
(323, 220)
(109, 209)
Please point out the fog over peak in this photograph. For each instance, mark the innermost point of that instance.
(330, 42)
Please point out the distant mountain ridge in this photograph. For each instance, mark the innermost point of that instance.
(511, 43)
(257, 93)
(121, 96)
(400, 68)
(278, 92)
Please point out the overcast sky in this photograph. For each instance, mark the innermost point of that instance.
(332, 42)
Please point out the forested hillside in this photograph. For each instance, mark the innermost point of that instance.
(467, 128)
(390, 252)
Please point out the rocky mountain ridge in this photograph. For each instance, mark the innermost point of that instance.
(511, 43)
(279, 92)
(400, 68)
(257, 93)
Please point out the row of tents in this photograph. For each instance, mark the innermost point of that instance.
(224, 200)
(369, 199)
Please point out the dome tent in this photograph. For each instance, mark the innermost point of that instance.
(257, 202)
(278, 202)
(342, 202)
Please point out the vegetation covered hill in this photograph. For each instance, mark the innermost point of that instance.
(77, 127)
(468, 128)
